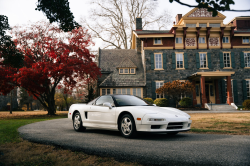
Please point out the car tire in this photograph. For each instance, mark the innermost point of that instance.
(173, 133)
(77, 122)
(127, 126)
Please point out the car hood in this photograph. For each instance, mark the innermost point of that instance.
(161, 110)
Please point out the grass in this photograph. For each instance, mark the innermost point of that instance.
(221, 123)
(16, 151)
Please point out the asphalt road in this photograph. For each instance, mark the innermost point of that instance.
(147, 149)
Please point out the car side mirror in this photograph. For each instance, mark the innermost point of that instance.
(107, 104)
(154, 104)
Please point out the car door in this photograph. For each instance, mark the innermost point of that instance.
(103, 116)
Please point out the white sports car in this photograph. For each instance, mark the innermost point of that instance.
(128, 114)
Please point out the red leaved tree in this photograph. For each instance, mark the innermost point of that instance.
(175, 89)
(53, 59)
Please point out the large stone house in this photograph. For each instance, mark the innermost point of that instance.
(200, 48)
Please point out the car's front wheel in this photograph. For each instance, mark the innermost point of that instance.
(77, 122)
(127, 126)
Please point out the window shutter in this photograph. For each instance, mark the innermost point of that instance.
(209, 60)
(223, 91)
(242, 63)
(235, 90)
(164, 61)
(153, 90)
(197, 60)
(244, 89)
(152, 61)
(232, 60)
(185, 61)
(221, 60)
(173, 60)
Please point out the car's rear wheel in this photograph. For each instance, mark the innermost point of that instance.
(127, 126)
(77, 122)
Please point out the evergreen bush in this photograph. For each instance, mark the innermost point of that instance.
(246, 104)
(161, 102)
(150, 100)
(186, 102)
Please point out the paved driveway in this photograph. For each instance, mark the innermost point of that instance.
(147, 149)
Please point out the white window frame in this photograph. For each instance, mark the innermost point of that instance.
(159, 84)
(178, 40)
(225, 62)
(202, 67)
(157, 41)
(157, 61)
(125, 90)
(202, 41)
(247, 62)
(126, 70)
(225, 39)
(245, 40)
(179, 54)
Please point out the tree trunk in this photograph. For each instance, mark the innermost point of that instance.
(31, 107)
(51, 104)
(28, 106)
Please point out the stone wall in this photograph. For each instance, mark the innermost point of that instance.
(170, 74)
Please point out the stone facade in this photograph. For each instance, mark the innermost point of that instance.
(170, 74)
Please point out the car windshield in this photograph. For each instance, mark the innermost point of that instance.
(126, 100)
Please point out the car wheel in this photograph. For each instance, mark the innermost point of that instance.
(127, 126)
(77, 122)
(173, 133)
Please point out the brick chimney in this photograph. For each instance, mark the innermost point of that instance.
(138, 24)
(178, 17)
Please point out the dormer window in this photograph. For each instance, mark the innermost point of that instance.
(126, 70)
(157, 41)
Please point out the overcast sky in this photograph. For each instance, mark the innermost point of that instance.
(22, 11)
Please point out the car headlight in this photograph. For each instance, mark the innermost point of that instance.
(156, 119)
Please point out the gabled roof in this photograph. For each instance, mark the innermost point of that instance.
(126, 63)
(110, 59)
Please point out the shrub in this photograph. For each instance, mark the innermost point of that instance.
(246, 104)
(186, 102)
(150, 100)
(161, 102)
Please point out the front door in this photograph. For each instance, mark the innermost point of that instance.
(207, 93)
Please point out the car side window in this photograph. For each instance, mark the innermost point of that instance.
(104, 99)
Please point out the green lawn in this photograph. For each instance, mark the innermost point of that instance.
(8, 127)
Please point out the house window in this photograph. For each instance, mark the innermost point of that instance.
(226, 57)
(248, 88)
(158, 61)
(124, 91)
(225, 40)
(203, 25)
(157, 41)
(108, 91)
(214, 25)
(247, 59)
(127, 71)
(132, 71)
(245, 40)
(114, 91)
(137, 92)
(121, 71)
(119, 91)
(103, 91)
(179, 61)
(203, 60)
(178, 40)
(190, 25)
(202, 40)
(159, 84)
